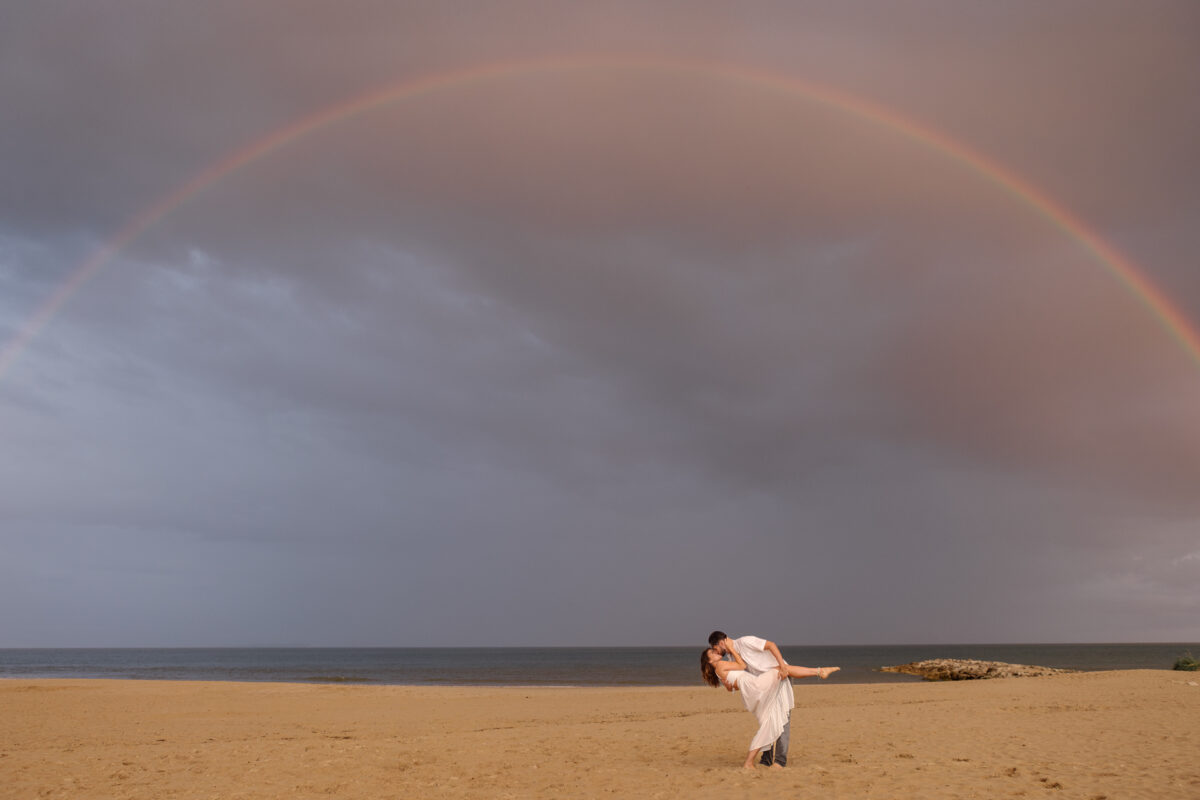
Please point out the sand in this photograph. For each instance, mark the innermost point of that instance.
(1091, 735)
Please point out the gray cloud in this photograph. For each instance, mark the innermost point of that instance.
(547, 356)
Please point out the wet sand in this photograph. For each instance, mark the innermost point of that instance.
(1091, 735)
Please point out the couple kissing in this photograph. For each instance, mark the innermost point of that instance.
(754, 667)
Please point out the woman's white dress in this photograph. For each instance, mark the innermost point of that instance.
(768, 698)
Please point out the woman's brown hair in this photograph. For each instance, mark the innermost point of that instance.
(707, 670)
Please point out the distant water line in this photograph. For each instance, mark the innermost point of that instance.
(537, 666)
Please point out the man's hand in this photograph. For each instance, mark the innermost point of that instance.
(773, 649)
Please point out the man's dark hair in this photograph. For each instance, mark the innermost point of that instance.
(716, 637)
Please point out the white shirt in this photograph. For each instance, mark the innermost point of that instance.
(753, 651)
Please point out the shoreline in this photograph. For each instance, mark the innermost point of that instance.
(382, 685)
(895, 678)
(1112, 733)
(530, 666)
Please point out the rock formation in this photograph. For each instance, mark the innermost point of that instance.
(963, 669)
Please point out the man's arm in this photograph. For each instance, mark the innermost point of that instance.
(731, 649)
(771, 648)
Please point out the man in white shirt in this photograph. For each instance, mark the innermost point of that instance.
(760, 656)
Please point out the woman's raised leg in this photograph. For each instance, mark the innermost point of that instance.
(811, 672)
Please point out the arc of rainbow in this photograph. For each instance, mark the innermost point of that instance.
(1121, 268)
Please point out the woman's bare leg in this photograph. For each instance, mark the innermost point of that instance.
(811, 672)
(750, 759)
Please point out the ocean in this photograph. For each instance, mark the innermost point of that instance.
(538, 666)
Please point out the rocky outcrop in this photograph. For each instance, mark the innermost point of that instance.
(965, 669)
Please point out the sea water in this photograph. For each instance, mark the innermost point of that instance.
(539, 666)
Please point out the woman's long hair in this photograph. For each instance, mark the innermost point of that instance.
(708, 671)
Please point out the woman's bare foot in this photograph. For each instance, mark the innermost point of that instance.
(825, 672)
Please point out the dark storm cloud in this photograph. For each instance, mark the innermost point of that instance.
(554, 352)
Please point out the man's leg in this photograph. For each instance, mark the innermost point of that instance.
(777, 753)
(768, 756)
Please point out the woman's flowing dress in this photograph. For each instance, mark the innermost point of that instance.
(768, 698)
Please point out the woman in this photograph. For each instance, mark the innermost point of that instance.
(765, 695)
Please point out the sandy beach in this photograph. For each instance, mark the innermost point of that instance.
(1091, 735)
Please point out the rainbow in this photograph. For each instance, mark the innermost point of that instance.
(1175, 323)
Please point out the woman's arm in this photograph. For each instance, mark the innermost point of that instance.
(723, 669)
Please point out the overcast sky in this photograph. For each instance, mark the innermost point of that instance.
(597, 355)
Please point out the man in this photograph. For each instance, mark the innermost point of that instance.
(760, 656)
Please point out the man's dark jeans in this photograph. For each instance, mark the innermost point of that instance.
(777, 753)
